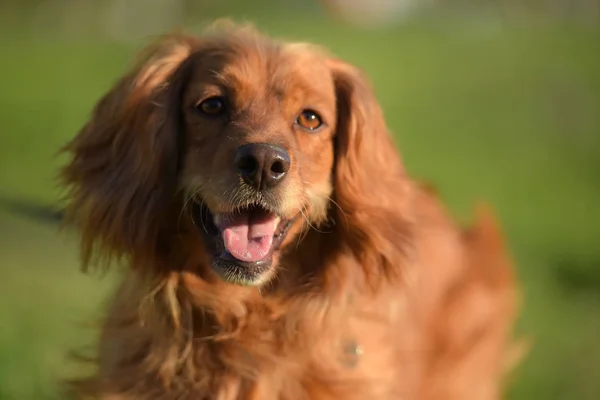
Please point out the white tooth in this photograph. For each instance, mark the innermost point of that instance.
(217, 219)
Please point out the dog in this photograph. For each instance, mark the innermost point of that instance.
(273, 245)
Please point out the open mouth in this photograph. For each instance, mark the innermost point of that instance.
(242, 241)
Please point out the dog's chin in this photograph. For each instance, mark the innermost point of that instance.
(243, 244)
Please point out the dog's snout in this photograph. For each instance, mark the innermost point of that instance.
(262, 165)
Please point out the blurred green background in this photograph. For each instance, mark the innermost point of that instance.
(489, 100)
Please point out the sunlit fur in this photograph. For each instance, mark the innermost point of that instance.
(372, 263)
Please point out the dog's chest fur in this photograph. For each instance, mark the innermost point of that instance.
(351, 356)
(348, 351)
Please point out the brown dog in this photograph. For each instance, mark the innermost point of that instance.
(275, 247)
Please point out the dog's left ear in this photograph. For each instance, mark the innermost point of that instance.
(122, 173)
(370, 184)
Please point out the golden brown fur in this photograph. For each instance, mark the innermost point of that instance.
(375, 294)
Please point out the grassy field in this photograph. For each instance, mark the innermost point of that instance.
(510, 115)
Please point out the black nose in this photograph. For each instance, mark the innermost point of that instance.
(262, 165)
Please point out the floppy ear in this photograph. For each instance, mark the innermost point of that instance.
(122, 173)
(370, 184)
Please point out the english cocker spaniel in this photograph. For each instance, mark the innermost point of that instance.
(274, 246)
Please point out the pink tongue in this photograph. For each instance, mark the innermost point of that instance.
(246, 236)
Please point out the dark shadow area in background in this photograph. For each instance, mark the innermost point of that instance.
(31, 210)
(576, 276)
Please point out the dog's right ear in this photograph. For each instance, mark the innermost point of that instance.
(122, 173)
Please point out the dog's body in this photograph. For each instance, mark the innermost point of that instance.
(276, 247)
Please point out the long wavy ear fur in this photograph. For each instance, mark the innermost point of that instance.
(370, 185)
(121, 177)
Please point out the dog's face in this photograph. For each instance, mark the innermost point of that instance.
(258, 153)
(257, 140)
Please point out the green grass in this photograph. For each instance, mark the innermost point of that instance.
(508, 115)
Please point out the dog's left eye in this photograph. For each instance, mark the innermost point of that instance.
(310, 120)
(212, 106)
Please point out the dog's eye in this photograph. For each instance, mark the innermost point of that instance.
(310, 120)
(212, 106)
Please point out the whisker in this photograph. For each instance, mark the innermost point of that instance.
(308, 221)
(202, 217)
(339, 208)
(303, 232)
(185, 206)
(189, 209)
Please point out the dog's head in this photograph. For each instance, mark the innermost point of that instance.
(249, 139)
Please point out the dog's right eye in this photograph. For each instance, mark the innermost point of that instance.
(212, 106)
